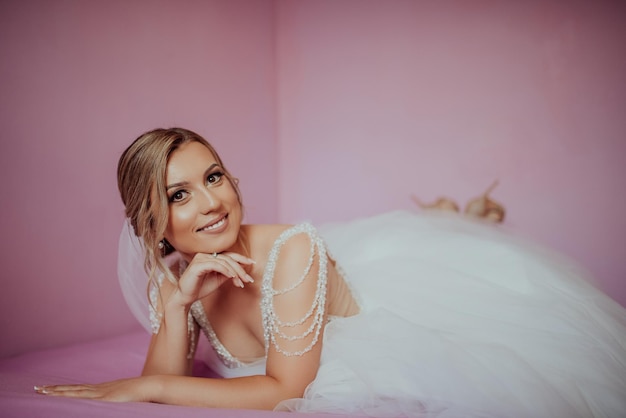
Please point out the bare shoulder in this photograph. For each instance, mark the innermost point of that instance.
(292, 247)
(265, 237)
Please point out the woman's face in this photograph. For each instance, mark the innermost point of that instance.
(204, 210)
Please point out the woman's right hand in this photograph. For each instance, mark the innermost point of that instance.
(207, 272)
(169, 351)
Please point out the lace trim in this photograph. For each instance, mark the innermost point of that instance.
(155, 317)
(273, 327)
(222, 353)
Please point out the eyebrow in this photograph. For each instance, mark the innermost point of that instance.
(183, 183)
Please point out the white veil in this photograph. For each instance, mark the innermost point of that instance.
(132, 275)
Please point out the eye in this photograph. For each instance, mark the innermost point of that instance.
(214, 178)
(178, 196)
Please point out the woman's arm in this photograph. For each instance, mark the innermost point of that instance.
(292, 363)
(169, 349)
(253, 392)
(294, 355)
(296, 314)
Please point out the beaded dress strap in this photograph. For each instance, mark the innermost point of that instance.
(274, 329)
(197, 310)
(155, 316)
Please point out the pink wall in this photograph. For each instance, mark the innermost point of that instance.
(370, 101)
(381, 99)
(80, 80)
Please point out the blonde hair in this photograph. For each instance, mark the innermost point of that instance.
(141, 180)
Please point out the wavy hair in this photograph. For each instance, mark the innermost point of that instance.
(141, 180)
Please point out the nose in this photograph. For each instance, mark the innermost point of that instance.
(208, 201)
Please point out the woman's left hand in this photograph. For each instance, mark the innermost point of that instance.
(125, 390)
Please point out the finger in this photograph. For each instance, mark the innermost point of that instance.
(60, 388)
(202, 269)
(241, 259)
(208, 260)
(234, 264)
(214, 280)
(82, 393)
(215, 276)
(70, 391)
(230, 260)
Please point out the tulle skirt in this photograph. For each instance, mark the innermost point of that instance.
(459, 319)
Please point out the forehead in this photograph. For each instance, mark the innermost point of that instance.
(187, 161)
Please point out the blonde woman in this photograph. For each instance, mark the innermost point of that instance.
(433, 315)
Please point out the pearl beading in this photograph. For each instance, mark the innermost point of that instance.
(272, 324)
(197, 310)
(155, 317)
(273, 327)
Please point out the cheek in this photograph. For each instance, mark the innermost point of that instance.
(181, 219)
(233, 197)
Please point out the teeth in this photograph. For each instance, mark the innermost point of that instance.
(215, 225)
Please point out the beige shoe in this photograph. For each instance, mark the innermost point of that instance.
(484, 207)
(443, 203)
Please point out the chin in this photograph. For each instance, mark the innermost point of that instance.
(221, 243)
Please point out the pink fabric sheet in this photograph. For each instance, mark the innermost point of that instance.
(94, 362)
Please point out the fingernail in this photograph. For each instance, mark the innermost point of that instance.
(239, 282)
(249, 278)
(251, 261)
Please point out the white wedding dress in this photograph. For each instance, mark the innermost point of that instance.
(458, 319)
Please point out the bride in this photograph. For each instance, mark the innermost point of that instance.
(394, 315)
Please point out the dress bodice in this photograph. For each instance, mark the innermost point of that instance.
(221, 361)
(456, 319)
(216, 356)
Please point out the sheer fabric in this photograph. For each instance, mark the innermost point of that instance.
(460, 319)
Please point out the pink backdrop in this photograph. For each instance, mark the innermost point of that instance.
(325, 109)
(82, 79)
(381, 99)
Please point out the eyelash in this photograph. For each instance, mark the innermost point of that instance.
(217, 174)
(173, 198)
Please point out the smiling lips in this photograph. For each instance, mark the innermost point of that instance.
(214, 226)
